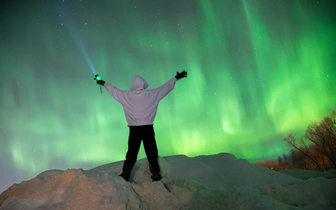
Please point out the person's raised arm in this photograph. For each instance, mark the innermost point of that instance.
(164, 89)
(113, 91)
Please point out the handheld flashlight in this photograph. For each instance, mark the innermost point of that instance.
(98, 78)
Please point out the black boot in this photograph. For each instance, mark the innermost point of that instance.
(125, 175)
(155, 170)
(126, 170)
(156, 177)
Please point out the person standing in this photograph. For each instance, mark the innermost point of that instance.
(140, 107)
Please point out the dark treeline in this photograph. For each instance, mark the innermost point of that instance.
(316, 150)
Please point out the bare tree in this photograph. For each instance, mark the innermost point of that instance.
(304, 149)
(315, 151)
(323, 135)
(298, 160)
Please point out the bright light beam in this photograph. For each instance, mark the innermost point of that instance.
(77, 39)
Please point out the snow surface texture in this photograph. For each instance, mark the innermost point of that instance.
(206, 182)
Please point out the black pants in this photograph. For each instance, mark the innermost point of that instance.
(147, 135)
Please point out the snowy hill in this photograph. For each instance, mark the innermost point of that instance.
(205, 182)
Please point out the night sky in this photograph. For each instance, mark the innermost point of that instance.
(257, 71)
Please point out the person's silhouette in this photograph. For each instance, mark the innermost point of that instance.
(140, 106)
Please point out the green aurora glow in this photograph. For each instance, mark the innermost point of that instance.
(257, 70)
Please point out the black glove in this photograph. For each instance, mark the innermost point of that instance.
(181, 75)
(101, 82)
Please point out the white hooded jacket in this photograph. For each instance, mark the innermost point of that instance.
(140, 105)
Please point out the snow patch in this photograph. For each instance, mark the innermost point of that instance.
(203, 182)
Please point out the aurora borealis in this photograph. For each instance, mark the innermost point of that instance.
(257, 70)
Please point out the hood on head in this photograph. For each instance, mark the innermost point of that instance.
(139, 83)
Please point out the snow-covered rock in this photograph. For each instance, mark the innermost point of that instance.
(205, 182)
